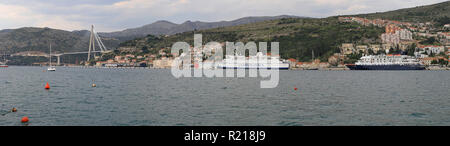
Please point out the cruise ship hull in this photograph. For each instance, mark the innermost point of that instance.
(279, 68)
(386, 67)
(260, 61)
(282, 66)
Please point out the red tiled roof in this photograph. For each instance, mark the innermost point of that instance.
(430, 58)
(292, 60)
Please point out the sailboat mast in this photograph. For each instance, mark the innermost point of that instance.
(50, 55)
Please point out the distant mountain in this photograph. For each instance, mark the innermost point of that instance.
(169, 28)
(38, 39)
(438, 13)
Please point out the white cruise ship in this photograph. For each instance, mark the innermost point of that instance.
(242, 62)
(387, 62)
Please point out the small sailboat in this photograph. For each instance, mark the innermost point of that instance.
(50, 67)
(3, 64)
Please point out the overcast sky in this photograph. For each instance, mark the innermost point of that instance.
(113, 15)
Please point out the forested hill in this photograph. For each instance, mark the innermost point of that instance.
(38, 39)
(297, 36)
(438, 13)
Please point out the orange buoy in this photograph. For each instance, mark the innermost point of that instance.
(24, 120)
(13, 109)
(47, 86)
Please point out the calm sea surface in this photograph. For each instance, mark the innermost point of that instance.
(155, 97)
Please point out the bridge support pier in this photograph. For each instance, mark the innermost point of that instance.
(59, 61)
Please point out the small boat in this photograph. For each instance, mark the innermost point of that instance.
(51, 68)
(312, 68)
(3, 64)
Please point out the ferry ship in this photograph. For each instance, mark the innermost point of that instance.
(387, 62)
(251, 62)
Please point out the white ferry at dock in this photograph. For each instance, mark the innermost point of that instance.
(260, 61)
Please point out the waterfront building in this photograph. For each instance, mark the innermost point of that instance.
(292, 62)
(299, 64)
(387, 46)
(375, 48)
(129, 56)
(394, 34)
(361, 49)
(324, 65)
(164, 62)
(444, 38)
(432, 49)
(117, 58)
(333, 60)
(420, 54)
(347, 48)
(390, 38)
(428, 60)
(100, 63)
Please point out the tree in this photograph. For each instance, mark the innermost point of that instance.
(434, 62)
(391, 50)
(430, 41)
(370, 52)
(431, 54)
(443, 62)
(411, 49)
(145, 50)
(116, 51)
(352, 58)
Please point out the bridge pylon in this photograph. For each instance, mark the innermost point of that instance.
(92, 39)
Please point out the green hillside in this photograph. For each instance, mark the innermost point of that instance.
(438, 13)
(297, 36)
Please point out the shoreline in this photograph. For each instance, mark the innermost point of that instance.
(291, 69)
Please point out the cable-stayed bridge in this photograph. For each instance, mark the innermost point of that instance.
(93, 39)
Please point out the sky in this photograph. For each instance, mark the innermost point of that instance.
(115, 15)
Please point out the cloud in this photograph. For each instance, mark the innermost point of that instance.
(112, 15)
